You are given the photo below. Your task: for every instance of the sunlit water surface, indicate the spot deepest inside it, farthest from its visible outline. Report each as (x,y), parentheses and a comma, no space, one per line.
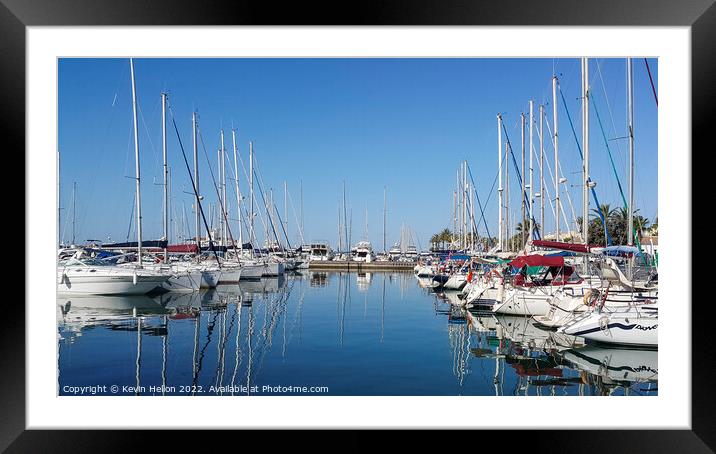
(331,333)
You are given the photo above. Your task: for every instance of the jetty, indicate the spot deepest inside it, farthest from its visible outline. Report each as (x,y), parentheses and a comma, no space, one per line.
(349,265)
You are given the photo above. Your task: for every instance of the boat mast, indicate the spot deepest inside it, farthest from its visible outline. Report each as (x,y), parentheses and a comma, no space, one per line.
(340,229)
(499,188)
(473,227)
(532,193)
(524,200)
(170,208)
(251,186)
(166,174)
(385,213)
(556,155)
(224,215)
(456,231)
(507,198)
(302,231)
(585,145)
(630,112)
(454,215)
(464,204)
(197,197)
(345,223)
(221,218)
(285,208)
(74,202)
(269,215)
(541,166)
(366,221)
(238,191)
(59,200)
(136,160)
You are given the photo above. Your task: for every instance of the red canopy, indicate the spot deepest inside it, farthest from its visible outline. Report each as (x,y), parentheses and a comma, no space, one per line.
(574,247)
(185,248)
(536,260)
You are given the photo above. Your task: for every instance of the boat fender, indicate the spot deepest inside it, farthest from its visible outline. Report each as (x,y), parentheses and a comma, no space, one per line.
(134,278)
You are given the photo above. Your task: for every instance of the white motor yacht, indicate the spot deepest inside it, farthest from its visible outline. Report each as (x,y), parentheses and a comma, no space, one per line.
(363,252)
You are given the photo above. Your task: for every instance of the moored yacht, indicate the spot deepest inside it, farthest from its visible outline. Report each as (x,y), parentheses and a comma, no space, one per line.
(363,252)
(93,277)
(320,251)
(635,325)
(395,253)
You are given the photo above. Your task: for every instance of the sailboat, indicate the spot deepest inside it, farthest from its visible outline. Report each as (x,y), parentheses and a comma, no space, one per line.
(635,325)
(84,275)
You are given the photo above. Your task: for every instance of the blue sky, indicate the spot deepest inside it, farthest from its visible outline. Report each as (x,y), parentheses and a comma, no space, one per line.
(401,123)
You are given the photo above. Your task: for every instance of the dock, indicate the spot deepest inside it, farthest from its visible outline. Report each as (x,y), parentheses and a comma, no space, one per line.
(347,265)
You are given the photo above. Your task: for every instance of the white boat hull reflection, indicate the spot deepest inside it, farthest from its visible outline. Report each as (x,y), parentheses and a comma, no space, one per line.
(616,364)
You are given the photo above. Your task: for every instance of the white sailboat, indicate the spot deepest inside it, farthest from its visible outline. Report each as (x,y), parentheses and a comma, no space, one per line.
(86,276)
(93,277)
(636,325)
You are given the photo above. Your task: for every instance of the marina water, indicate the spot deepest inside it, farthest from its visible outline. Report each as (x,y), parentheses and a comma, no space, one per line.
(330,334)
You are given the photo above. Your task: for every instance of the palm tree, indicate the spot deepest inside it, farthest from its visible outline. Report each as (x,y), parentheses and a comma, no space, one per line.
(518,228)
(435,239)
(605,210)
(655,227)
(445,236)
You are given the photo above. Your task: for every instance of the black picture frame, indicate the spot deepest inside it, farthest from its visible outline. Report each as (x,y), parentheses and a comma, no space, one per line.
(699,15)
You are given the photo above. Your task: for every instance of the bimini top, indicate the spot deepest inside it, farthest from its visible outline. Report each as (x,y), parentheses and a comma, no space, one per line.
(536,260)
(622,251)
(574,247)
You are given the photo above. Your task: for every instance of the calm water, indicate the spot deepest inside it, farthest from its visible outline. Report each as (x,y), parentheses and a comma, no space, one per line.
(342,333)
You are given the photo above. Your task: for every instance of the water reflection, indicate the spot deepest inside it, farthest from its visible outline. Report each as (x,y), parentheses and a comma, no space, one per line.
(318,279)
(528,360)
(357,334)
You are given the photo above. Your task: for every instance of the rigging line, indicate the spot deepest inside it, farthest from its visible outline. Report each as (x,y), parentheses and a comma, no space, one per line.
(263,198)
(653,89)
(245,213)
(131,217)
(519,176)
(489,195)
(98,163)
(146,130)
(551,174)
(474,188)
(295,216)
(193,185)
(626,206)
(216,188)
(589,177)
(611,160)
(257,172)
(239,197)
(620,153)
(253,199)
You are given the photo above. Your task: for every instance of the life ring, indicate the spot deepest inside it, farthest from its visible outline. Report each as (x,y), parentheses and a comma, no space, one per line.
(590,297)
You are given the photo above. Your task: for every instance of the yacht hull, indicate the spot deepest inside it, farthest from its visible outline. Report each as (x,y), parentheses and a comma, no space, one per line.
(108,285)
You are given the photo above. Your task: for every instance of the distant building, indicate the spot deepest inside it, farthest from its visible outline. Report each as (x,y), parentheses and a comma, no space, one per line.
(569,237)
(650,243)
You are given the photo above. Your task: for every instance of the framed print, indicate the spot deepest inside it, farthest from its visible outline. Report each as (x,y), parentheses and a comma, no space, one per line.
(432,217)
